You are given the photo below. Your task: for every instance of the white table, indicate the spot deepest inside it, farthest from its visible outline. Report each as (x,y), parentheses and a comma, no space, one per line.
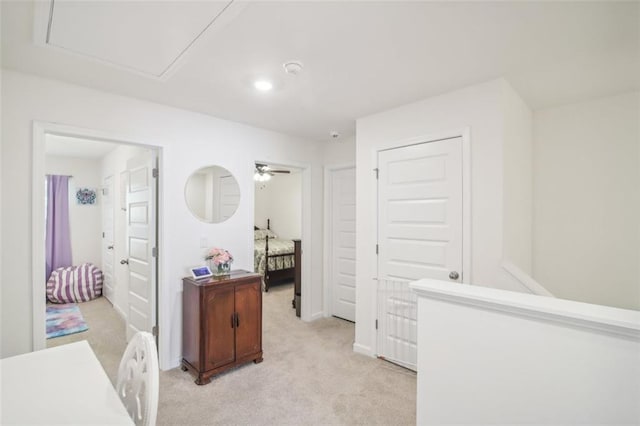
(61,385)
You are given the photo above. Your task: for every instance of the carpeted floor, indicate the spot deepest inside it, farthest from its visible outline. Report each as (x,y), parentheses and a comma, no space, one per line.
(310,375)
(106,334)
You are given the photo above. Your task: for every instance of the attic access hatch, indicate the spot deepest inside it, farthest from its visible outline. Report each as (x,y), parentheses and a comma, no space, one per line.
(148,38)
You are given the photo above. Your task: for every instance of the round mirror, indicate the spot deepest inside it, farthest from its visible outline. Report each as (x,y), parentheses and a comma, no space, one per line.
(212,194)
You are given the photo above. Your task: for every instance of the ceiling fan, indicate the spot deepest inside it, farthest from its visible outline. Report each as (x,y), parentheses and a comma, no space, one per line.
(264,172)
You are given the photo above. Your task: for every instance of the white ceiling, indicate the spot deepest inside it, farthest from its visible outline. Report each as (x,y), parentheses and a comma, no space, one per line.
(360,57)
(154,34)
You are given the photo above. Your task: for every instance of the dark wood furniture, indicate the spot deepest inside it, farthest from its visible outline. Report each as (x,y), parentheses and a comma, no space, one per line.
(221,323)
(272,276)
(297,282)
(285,274)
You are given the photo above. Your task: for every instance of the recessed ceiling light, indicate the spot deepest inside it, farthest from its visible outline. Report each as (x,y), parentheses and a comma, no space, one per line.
(263,85)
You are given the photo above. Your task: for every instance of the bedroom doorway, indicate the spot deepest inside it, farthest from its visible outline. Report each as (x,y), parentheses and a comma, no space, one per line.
(278,227)
(108,233)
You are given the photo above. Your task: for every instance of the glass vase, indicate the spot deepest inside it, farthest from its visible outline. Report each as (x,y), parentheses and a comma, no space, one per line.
(221,269)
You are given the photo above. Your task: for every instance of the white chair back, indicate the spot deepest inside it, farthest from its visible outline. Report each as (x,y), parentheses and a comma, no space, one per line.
(138,382)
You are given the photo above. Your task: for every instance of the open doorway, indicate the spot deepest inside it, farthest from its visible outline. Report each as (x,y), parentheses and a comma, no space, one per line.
(278,229)
(106,289)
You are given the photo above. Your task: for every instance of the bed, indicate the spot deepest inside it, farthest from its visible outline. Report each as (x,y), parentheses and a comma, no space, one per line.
(276,259)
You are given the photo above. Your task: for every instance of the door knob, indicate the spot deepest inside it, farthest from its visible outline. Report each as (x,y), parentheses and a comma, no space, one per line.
(454,275)
(124,262)
(109,247)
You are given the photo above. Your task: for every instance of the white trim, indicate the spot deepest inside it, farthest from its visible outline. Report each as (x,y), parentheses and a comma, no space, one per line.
(317,315)
(373,280)
(177,362)
(614,321)
(465,134)
(328,232)
(307,252)
(524,279)
(40,130)
(38,268)
(466,205)
(363,350)
(120,312)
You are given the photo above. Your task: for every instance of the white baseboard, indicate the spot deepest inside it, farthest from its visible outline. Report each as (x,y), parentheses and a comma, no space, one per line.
(120,312)
(316,316)
(362,349)
(174,364)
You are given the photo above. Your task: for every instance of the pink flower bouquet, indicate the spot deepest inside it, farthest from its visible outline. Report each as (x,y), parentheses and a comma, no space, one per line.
(219,256)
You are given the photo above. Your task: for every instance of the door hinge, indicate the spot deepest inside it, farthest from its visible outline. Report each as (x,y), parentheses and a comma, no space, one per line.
(376,170)
(377,249)
(376,324)
(154,330)
(154,172)
(103,235)
(154,252)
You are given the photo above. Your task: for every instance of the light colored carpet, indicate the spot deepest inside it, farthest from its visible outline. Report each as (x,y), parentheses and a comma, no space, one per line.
(106,334)
(310,375)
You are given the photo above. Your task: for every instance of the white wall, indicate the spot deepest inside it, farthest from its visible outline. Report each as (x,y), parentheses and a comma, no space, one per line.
(280,199)
(586,243)
(114,164)
(340,152)
(517,180)
(477,109)
(1,205)
(513,358)
(188,141)
(85,221)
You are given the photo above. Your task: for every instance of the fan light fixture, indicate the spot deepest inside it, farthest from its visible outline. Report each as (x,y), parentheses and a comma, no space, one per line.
(264,172)
(261,177)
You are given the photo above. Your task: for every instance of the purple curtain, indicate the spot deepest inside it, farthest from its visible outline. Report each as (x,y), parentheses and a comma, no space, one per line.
(58,238)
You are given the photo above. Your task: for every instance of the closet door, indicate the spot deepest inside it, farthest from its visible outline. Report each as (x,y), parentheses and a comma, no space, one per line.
(419,235)
(343,243)
(108,254)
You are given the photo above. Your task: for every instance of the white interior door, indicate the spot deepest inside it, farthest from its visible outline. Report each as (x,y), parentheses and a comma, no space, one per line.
(108,239)
(343,243)
(419,235)
(141,243)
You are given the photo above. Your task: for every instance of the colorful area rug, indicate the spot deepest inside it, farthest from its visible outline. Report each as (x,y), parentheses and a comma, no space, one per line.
(64,319)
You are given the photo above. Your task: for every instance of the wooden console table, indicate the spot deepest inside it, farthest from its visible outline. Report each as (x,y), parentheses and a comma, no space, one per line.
(221,323)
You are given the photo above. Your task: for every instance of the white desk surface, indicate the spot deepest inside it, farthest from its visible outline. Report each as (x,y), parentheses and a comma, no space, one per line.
(61,385)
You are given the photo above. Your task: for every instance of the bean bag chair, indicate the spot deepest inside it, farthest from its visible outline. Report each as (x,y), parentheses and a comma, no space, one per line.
(74,284)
